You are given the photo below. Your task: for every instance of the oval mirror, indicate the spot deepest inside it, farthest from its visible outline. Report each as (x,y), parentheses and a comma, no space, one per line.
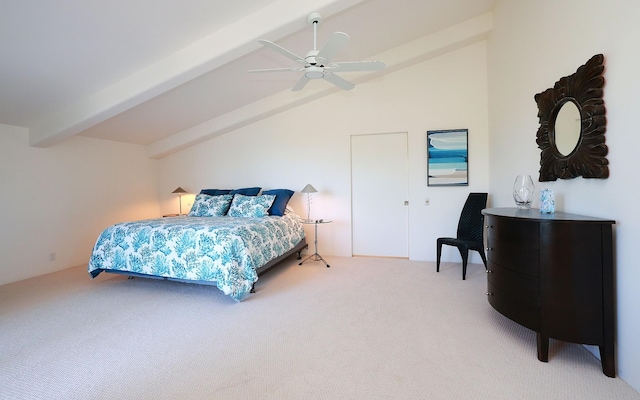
(567,128)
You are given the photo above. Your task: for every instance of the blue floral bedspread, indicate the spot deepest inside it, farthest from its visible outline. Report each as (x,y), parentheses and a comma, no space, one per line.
(224,250)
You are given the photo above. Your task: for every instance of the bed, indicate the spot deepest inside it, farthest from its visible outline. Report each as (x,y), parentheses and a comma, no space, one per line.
(229,250)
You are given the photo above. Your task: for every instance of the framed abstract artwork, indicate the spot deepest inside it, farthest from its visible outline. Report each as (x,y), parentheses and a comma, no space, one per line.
(447,158)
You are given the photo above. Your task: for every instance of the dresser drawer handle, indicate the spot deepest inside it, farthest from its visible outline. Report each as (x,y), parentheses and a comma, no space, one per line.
(489,293)
(488,226)
(489,248)
(489,271)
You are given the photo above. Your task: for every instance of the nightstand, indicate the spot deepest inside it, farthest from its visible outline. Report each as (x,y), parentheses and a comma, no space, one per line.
(315,256)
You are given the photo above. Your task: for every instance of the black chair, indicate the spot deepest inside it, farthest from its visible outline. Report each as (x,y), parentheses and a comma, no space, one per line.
(470,231)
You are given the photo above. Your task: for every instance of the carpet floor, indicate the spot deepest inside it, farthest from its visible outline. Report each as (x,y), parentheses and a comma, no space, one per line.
(366,328)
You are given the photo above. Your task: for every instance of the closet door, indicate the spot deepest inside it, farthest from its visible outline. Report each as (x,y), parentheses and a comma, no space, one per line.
(379,195)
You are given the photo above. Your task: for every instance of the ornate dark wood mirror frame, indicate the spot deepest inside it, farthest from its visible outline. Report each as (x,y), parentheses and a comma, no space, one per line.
(588,158)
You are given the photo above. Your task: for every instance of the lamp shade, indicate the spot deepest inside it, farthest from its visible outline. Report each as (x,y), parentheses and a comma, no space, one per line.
(179,190)
(309,189)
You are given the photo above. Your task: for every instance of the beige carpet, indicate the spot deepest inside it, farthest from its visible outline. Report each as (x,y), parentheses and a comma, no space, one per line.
(362,329)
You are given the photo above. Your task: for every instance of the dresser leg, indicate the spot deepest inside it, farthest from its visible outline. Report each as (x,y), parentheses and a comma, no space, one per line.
(543,347)
(607,357)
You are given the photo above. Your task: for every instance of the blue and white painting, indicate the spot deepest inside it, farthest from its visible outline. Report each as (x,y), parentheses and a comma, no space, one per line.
(447,154)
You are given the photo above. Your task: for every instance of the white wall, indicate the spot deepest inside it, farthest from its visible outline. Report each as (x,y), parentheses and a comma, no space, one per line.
(533,44)
(311,144)
(59,199)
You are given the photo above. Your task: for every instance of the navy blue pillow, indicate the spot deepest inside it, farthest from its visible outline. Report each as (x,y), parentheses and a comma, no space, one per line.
(252,191)
(280,203)
(215,192)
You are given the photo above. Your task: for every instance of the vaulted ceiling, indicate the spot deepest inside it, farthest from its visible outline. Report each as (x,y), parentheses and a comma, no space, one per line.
(168,74)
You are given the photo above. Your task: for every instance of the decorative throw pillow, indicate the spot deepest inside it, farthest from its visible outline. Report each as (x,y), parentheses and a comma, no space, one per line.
(252,191)
(215,192)
(210,206)
(250,206)
(280,203)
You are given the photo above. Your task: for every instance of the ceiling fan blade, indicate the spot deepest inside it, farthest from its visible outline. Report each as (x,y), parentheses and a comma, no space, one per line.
(356,66)
(334,45)
(282,51)
(274,69)
(336,80)
(300,84)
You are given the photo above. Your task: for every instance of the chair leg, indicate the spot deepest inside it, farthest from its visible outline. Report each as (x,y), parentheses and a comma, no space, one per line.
(464,253)
(439,252)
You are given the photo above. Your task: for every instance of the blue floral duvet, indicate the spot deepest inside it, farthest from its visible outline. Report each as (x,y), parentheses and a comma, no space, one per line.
(221,250)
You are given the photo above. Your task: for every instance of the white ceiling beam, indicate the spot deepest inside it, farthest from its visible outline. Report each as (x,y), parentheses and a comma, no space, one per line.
(430,46)
(288,16)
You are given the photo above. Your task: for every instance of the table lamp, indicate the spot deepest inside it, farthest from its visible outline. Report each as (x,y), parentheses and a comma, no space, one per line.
(308,190)
(179,191)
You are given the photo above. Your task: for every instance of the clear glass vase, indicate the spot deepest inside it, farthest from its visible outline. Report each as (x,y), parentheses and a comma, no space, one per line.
(523,191)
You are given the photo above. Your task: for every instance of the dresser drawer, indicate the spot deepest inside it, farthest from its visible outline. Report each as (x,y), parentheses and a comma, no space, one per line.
(508,230)
(516,257)
(521,286)
(522,312)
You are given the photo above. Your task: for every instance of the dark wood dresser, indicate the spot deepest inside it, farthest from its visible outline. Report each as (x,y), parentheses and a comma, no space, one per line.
(553,273)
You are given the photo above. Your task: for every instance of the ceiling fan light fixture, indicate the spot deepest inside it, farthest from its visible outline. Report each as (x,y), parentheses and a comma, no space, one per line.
(314,72)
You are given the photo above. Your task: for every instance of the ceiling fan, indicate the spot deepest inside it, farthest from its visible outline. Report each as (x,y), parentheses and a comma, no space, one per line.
(317,63)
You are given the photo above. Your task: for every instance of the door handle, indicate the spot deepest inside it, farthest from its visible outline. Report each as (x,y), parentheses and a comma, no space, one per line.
(406,202)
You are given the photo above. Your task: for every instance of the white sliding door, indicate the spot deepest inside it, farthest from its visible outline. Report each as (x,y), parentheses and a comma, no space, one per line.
(379,192)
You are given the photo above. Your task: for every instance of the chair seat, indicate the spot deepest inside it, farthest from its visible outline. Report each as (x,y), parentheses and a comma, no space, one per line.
(471,245)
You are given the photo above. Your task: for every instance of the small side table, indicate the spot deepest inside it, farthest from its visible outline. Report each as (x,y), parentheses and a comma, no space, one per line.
(315,256)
